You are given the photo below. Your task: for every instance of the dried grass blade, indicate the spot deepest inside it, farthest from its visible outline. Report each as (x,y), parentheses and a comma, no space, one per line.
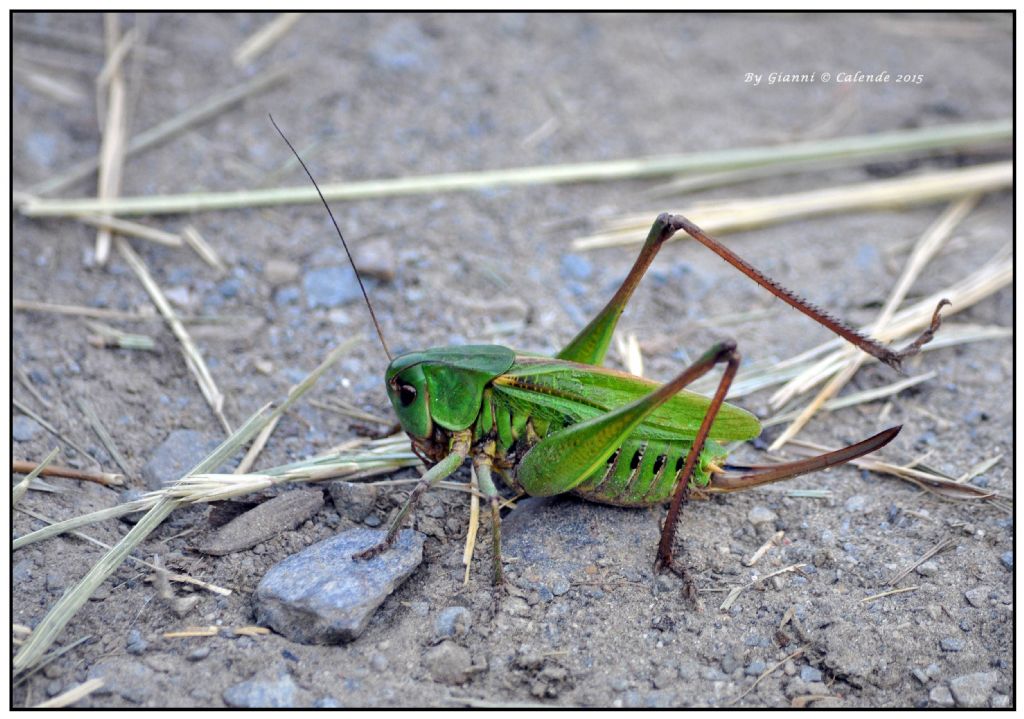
(21,487)
(133,229)
(193,357)
(101,432)
(660,166)
(69,697)
(869,395)
(258,43)
(732,216)
(21,407)
(114,130)
(983,282)
(203,249)
(157,134)
(62,612)
(924,250)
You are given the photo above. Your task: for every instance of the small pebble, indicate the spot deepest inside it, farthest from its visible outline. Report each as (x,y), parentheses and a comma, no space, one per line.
(197,655)
(136,644)
(330,286)
(1007,559)
(576,266)
(257,693)
(761,515)
(24,429)
(754,669)
(940,696)
(973,690)
(280,272)
(559,586)
(810,674)
(978,597)
(453,622)
(928,569)
(448,663)
(999,701)
(856,503)
(952,644)
(378,662)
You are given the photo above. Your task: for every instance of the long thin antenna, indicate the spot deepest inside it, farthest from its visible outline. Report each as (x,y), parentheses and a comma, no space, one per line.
(355,269)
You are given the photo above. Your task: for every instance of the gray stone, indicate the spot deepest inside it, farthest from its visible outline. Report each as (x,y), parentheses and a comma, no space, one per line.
(403,47)
(448,663)
(125,676)
(978,597)
(182,450)
(1007,559)
(576,266)
(973,690)
(282,513)
(330,286)
(952,644)
(666,677)
(287,295)
(375,258)
(754,669)
(761,515)
(857,503)
(810,674)
(280,272)
(999,701)
(453,622)
(928,569)
(378,662)
(136,644)
(262,693)
(132,495)
(323,595)
(940,696)
(559,586)
(352,499)
(24,429)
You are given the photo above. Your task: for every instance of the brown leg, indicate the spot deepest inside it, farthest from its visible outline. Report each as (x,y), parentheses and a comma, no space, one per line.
(724,352)
(873,348)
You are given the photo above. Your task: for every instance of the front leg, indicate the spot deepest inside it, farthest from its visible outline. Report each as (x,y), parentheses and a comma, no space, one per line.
(445,468)
(482,463)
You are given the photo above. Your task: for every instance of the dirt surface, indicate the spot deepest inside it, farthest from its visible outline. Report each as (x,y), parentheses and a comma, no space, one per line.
(584,621)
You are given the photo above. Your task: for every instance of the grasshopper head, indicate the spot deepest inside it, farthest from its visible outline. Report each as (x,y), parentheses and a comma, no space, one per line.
(443,386)
(407,390)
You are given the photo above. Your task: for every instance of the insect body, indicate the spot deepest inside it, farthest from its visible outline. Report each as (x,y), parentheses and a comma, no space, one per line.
(566,424)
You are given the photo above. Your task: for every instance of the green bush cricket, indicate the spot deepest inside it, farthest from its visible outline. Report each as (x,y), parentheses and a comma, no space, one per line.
(548,426)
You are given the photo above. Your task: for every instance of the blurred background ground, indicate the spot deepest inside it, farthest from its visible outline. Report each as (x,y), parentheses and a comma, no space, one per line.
(370,96)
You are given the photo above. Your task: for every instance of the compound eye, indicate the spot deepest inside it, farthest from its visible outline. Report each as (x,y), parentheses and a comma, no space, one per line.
(406,394)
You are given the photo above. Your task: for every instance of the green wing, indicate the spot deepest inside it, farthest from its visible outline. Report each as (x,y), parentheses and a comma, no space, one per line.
(556,388)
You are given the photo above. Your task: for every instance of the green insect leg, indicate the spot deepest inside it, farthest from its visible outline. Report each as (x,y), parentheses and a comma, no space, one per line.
(591,344)
(565,458)
(723,352)
(445,468)
(482,465)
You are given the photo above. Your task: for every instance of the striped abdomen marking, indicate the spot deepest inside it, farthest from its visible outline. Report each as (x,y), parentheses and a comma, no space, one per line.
(648,478)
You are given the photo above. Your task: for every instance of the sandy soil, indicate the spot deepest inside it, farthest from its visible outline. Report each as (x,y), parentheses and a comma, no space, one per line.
(379,96)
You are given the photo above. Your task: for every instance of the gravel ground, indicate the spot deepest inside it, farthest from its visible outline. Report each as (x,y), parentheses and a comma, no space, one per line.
(583,621)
